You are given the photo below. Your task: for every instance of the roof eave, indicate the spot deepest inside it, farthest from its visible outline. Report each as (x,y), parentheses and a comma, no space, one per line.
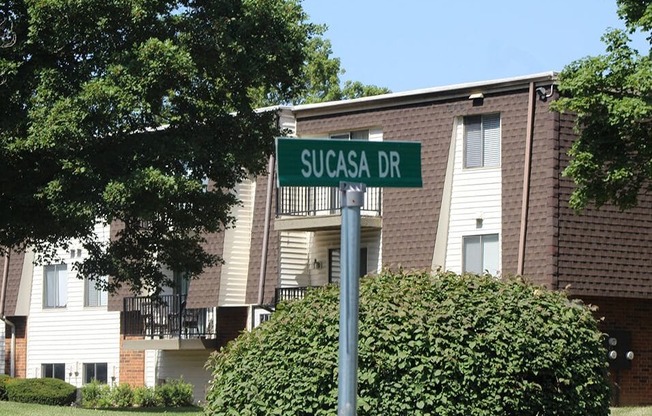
(423,95)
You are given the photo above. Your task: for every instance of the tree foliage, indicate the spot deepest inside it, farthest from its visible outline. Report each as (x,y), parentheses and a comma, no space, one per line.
(611,94)
(322,77)
(438,344)
(120,111)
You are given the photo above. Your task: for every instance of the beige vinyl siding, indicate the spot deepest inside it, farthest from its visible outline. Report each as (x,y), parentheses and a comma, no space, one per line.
(325,240)
(237,246)
(294,259)
(375,134)
(476,194)
(151,367)
(73,335)
(188,365)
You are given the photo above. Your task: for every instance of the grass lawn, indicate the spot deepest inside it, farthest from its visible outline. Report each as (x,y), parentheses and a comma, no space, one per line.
(631,411)
(23,409)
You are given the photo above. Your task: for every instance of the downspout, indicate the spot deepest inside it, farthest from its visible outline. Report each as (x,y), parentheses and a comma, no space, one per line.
(268,214)
(3,292)
(525,201)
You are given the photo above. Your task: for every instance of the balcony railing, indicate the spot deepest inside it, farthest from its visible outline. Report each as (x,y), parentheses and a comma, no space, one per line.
(289,293)
(166,316)
(306,201)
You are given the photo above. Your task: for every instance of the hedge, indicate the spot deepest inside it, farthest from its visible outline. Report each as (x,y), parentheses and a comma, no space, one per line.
(439,344)
(49,391)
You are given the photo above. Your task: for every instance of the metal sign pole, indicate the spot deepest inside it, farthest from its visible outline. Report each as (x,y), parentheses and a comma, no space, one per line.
(351,198)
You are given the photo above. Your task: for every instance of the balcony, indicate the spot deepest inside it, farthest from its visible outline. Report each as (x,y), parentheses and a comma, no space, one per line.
(165,323)
(282,294)
(318,208)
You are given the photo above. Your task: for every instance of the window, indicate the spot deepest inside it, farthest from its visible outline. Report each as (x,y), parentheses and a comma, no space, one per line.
(95,371)
(53,371)
(480,254)
(95,296)
(181,283)
(334,270)
(351,135)
(55,286)
(482,141)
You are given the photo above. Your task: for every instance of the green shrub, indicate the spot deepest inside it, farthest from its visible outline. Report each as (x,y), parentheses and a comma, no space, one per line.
(49,391)
(95,394)
(175,393)
(122,396)
(429,344)
(4,379)
(146,397)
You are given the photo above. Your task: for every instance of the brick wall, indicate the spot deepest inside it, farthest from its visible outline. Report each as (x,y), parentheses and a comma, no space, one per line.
(631,386)
(132,364)
(21,346)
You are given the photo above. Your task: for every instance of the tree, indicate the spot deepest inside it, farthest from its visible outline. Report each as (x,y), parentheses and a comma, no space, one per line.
(116,111)
(322,77)
(611,95)
(7,35)
(143,113)
(439,344)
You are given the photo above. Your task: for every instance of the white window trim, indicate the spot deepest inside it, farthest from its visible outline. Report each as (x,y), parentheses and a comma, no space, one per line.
(482,260)
(483,141)
(102,296)
(60,297)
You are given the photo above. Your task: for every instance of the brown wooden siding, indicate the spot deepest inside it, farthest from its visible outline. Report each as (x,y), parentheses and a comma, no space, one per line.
(13,283)
(603,252)
(116,299)
(204,291)
(600,253)
(539,260)
(410,215)
(258,225)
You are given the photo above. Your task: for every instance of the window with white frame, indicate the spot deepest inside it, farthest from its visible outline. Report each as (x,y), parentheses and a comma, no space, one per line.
(334,267)
(95,371)
(53,370)
(351,135)
(55,286)
(481,254)
(482,141)
(96,296)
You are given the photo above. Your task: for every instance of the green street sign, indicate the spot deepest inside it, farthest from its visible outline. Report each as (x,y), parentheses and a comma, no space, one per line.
(327,162)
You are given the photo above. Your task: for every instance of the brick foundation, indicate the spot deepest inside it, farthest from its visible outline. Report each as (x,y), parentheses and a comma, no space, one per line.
(132,364)
(633,386)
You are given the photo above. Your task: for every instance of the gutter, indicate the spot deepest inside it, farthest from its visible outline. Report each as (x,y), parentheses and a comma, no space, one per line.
(268,213)
(3,294)
(525,201)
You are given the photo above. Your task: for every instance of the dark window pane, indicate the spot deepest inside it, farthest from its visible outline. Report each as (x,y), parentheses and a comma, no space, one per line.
(101,372)
(60,371)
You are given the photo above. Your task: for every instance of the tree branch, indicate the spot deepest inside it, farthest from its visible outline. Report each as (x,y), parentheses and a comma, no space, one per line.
(7,34)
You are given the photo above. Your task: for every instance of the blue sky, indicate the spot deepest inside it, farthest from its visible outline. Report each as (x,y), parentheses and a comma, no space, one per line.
(412,44)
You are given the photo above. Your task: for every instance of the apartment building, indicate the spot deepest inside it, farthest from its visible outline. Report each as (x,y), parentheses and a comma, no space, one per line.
(493,199)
